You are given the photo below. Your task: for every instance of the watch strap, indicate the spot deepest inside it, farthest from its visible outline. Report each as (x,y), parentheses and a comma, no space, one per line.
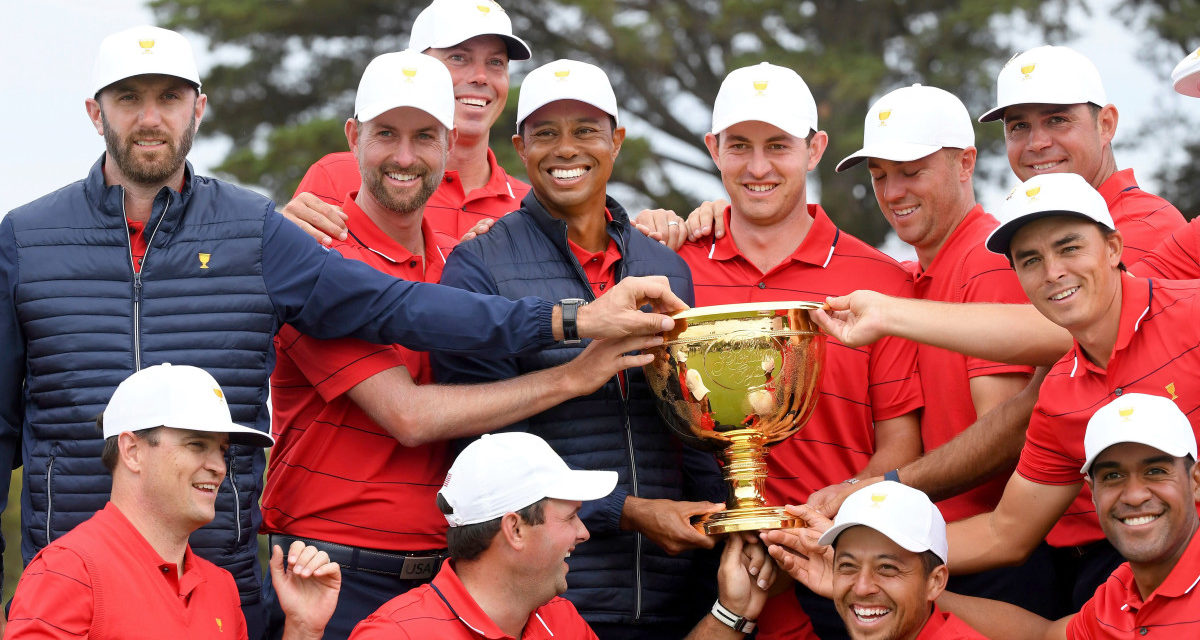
(570,317)
(731,619)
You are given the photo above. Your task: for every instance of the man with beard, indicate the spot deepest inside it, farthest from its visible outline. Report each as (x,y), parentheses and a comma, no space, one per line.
(361,440)
(144,262)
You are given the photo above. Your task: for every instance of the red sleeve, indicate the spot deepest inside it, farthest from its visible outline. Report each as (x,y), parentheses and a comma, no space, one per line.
(1077,628)
(989,278)
(1042,459)
(330,178)
(333,367)
(53,598)
(1176,258)
(895,386)
(379,627)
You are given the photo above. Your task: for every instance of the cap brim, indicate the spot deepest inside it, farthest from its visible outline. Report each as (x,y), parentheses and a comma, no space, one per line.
(994,114)
(1178,452)
(517,49)
(832,533)
(1001,237)
(582,485)
(247,436)
(1189,85)
(894,151)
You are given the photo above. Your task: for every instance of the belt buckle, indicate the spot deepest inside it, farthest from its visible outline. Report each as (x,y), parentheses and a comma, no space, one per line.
(419,568)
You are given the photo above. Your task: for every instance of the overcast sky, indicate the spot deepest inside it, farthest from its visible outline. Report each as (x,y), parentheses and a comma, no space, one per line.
(47,52)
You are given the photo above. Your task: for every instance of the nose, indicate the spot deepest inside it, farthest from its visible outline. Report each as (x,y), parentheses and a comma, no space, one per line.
(567,145)
(1039,138)
(893,189)
(477,72)
(863,584)
(403,153)
(581,532)
(759,165)
(1054,267)
(1136,491)
(151,114)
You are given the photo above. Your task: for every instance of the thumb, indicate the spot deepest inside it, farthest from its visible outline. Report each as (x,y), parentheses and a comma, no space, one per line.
(276,564)
(838,303)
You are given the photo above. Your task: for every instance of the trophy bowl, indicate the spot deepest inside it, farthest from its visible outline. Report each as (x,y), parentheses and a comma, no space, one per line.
(736,379)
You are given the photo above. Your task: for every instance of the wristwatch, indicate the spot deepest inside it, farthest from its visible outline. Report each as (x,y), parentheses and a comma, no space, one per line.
(570,312)
(731,619)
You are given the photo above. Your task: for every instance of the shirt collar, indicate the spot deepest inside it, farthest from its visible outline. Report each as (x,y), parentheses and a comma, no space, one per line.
(137,543)
(370,236)
(816,248)
(497,185)
(455,595)
(1136,296)
(934,624)
(959,235)
(1185,577)
(1116,184)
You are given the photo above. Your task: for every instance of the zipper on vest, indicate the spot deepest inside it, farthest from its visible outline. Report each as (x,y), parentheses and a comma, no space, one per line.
(49,497)
(637,547)
(237,503)
(137,276)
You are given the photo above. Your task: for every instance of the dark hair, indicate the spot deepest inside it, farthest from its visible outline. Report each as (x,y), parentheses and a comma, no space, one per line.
(931,561)
(111,451)
(468,541)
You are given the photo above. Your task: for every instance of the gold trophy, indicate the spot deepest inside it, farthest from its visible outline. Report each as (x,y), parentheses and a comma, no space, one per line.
(736,379)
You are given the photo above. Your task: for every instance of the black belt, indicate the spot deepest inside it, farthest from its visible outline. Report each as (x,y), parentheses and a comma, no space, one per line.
(407,565)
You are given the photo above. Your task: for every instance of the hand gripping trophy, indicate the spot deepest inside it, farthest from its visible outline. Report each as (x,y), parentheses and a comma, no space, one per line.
(737,379)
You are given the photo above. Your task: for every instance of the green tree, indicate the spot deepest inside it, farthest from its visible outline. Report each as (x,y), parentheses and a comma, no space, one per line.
(290,70)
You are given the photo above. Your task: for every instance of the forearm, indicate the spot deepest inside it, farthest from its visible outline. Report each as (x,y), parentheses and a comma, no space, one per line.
(977,544)
(709,628)
(996,619)
(897,442)
(1011,333)
(300,632)
(990,445)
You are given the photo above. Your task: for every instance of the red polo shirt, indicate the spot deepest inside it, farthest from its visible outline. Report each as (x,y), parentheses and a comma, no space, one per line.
(962,271)
(1177,258)
(446,611)
(449,211)
(859,386)
(943,625)
(103,580)
(1157,352)
(1143,219)
(1117,611)
(334,474)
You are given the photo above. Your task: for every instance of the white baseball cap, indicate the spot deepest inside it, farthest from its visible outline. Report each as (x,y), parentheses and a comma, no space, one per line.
(1047,75)
(406,79)
(504,472)
(695,384)
(566,80)
(445,23)
(1154,421)
(911,123)
(142,50)
(766,93)
(903,514)
(1186,75)
(1048,194)
(180,397)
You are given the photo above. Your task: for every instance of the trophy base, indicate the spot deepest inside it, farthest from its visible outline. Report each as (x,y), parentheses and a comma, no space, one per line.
(748,519)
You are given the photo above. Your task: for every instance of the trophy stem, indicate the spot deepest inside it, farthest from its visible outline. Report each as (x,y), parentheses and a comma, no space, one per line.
(746,473)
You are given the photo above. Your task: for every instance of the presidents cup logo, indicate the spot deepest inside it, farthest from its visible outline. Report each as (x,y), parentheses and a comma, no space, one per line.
(877,500)
(760,87)
(1032,194)
(1126,414)
(487,7)
(409,73)
(883,117)
(217,392)
(562,74)
(204,258)
(1027,70)
(146,45)
(1171,390)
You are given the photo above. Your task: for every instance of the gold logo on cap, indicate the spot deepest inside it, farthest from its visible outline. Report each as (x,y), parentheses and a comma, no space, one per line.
(562,75)
(146,45)
(883,116)
(217,391)
(1033,193)
(1171,390)
(204,259)
(409,73)
(759,87)
(877,499)
(1027,69)
(1126,413)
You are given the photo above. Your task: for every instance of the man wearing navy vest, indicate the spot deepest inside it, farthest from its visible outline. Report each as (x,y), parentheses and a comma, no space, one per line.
(144,262)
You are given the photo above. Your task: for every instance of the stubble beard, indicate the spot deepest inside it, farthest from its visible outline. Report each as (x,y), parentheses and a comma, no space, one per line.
(149,172)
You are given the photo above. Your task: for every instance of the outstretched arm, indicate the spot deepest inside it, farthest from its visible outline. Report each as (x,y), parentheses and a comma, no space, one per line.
(996,619)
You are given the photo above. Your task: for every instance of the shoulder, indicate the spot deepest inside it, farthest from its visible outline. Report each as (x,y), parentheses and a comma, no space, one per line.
(226,193)
(868,263)
(411,611)
(43,210)
(336,160)
(563,618)
(642,247)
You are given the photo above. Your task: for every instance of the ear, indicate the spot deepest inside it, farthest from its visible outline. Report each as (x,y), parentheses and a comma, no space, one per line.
(936,583)
(816,149)
(1106,123)
(967,167)
(1116,244)
(1196,481)
(514,530)
(352,135)
(519,144)
(451,140)
(130,448)
(617,138)
(93,111)
(714,147)
(201,104)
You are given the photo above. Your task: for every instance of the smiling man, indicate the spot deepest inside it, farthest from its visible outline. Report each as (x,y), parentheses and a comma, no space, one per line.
(474,39)
(764,140)
(569,240)
(129,569)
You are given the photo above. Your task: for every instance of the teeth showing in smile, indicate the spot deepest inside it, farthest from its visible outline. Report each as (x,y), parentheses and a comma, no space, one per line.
(565,174)
(760,187)
(869,614)
(474,102)
(402,177)
(1133,522)
(205,486)
(147,143)
(1060,296)
(904,212)
(1043,166)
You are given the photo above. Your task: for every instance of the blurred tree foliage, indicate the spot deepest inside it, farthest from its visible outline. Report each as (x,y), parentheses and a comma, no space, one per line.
(288,71)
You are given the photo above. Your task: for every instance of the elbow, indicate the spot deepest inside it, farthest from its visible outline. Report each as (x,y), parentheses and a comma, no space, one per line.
(409,430)
(1015,554)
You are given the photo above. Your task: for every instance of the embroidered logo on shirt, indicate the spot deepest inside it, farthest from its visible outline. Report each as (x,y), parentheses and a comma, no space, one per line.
(1171,390)
(204,259)
(220,627)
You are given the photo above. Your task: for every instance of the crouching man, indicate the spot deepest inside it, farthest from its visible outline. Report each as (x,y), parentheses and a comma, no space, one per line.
(128,572)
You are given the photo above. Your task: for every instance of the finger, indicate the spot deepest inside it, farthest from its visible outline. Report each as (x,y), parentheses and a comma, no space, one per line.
(303,558)
(766,573)
(328,569)
(467,236)
(634,361)
(294,551)
(838,303)
(312,563)
(719,217)
(276,563)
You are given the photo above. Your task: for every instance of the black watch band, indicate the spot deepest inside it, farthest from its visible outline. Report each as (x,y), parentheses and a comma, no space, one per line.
(893,475)
(731,619)
(570,315)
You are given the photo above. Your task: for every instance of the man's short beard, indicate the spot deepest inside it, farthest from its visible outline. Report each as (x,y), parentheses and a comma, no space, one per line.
(377,189)
(148,173)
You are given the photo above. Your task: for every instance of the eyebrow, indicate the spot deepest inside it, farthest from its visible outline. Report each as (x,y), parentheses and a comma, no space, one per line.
(778,138)
(1065,240)
(583,120)
(1159,459)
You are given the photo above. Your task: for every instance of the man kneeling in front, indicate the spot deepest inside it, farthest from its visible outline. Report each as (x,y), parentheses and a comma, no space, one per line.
(128,572)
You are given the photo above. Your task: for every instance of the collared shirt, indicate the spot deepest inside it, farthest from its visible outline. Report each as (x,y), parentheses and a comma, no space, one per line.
(859,386)
(450,211)
(1177,258)
(1157,352)
(104,580)
(361,487)
(446,611)
(1143,219)
(599,267)
(1117,611)
(962,271)
(943,625)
